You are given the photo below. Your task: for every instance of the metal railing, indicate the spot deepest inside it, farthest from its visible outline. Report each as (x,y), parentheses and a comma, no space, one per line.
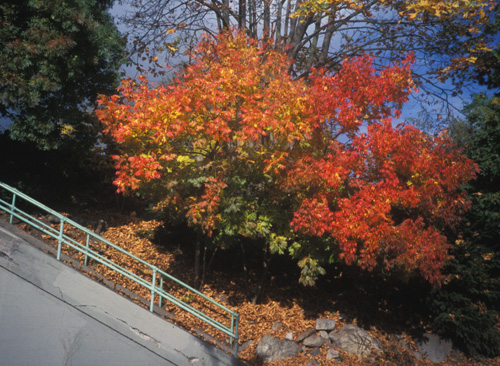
(155,285)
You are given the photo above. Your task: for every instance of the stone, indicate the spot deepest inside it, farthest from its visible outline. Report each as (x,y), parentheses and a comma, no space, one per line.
(314,341)
(324,334)
(289,336)
(325,324)
(313,363)
(315,352)
(433,348)
(305,334)
(245,345)
(355,340)
(273,349)
(333,354)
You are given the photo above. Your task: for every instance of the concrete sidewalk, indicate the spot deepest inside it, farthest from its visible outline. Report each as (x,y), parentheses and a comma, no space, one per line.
(51,314)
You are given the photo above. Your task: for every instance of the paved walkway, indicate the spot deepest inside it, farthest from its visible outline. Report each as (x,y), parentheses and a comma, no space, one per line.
(51,314)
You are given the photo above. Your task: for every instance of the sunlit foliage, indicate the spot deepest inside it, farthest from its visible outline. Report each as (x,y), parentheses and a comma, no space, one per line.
(314,167)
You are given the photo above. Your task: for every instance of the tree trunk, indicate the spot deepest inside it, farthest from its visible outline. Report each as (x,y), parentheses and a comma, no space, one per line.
(263,281)
(267,19)
(225,14)
(287,19)
(293,22)
(242,14)
(314,44)
(323,57)
(297,36)
(252,18)
(207,266)
(204,266)
(197,259)
(245,269)
(278,21)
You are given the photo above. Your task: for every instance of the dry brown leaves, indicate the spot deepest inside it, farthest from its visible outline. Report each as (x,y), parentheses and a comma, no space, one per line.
(255,320)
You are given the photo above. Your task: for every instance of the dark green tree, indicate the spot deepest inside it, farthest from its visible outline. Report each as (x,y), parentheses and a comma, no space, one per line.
(56,56)
(466,308)
(488,66)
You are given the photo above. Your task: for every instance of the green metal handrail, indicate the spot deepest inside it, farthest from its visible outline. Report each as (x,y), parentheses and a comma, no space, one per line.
(62,238)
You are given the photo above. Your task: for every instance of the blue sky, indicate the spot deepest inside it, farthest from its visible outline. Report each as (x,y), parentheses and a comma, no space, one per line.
(411,110)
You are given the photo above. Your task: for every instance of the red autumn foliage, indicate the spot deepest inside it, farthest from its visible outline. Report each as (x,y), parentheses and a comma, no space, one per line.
(322,153)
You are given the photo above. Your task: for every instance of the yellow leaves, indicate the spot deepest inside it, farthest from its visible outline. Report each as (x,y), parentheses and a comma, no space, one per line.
(67,130)
(464,9)
(412,16)
(310,7)
(460,63)
(413,9)
(172,48)
(471,59)
(184,160)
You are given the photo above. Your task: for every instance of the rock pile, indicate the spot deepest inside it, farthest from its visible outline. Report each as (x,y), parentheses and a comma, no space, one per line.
(350,338)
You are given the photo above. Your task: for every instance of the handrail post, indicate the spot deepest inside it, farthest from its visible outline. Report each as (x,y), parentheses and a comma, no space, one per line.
(232,328)
(161,288)
(153,290)
(237,323)
(85,262)
(60,240)
(12,207)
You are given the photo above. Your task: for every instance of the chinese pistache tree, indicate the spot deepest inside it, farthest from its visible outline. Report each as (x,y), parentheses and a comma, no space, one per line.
(310,167)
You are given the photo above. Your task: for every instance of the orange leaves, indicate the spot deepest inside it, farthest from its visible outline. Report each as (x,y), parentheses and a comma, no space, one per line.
(403,186)
(414,245)
(204,211)
(357,93)
(313,210)
(235,145)
(132,170)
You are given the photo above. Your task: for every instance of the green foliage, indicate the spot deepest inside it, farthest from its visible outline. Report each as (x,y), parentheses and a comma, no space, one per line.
(484,117)
(466,308)
(55,58)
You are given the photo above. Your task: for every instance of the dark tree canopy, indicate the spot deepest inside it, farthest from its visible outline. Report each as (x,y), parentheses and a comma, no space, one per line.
(488,65)
(466,308)
(55,58)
